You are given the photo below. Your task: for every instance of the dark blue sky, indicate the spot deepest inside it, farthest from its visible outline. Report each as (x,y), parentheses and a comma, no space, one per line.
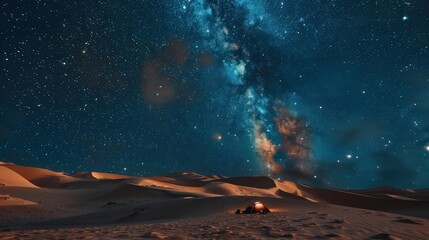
(333,93)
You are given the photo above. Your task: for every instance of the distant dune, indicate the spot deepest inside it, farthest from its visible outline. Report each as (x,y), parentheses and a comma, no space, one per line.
(189,205)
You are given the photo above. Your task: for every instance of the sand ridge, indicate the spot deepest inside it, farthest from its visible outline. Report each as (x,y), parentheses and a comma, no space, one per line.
(156,207)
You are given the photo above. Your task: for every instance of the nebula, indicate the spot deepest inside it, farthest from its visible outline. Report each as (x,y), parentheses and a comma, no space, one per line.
(266,150)
(163,75)
(296,140)
(255,118)
(281,139)
(156,87)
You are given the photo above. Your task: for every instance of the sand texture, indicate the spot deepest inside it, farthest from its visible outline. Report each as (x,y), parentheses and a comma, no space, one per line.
(42,204)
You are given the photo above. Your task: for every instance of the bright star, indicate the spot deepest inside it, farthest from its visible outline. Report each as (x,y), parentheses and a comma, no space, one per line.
(405,18)
(427,148)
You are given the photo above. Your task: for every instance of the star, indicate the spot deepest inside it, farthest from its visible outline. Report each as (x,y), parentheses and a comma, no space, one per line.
(171,96)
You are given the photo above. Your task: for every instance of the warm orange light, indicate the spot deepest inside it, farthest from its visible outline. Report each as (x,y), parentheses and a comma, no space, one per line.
(259,206)
(219,137)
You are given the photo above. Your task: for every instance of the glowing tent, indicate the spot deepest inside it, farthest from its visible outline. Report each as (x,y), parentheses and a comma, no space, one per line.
(256,207)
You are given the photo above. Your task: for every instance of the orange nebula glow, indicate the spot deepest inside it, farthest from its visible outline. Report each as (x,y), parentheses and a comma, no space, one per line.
(266,150)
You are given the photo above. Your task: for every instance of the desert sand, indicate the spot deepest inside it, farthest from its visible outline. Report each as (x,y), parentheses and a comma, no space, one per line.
(38,203)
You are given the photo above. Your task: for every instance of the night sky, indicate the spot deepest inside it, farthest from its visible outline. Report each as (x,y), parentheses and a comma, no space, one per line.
(332,93)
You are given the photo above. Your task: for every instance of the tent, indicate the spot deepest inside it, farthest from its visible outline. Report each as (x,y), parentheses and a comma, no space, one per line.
(256,207)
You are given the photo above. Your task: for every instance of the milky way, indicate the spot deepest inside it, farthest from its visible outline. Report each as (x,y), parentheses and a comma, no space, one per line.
(259,110)
(331,93)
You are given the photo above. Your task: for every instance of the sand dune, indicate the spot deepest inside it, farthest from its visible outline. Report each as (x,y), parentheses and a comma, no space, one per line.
(32,198)
(41,177)
(6,200)
(379,202)
(11,178)
(100,175)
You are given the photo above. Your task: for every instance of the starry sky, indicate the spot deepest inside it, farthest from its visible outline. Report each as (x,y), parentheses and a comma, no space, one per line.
(327,92)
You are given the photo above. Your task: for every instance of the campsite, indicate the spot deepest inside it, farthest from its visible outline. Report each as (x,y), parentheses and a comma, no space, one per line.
(39,202)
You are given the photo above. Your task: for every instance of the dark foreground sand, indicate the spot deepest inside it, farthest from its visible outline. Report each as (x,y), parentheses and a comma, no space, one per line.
(41,204)
(327,223)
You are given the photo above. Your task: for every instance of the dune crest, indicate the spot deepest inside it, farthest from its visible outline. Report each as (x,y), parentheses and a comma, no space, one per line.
(10,178)
(46,198)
